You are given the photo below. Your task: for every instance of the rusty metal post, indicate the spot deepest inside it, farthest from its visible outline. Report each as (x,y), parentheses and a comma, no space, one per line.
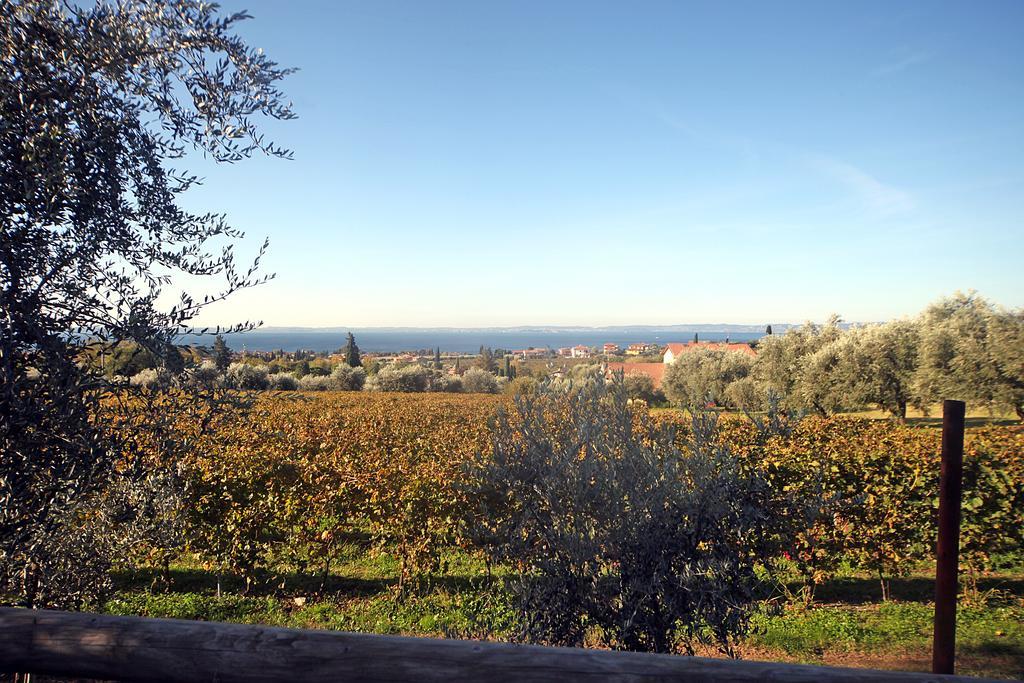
(947,553)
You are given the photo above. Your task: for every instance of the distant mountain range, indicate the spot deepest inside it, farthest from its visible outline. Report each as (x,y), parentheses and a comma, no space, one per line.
(547,329)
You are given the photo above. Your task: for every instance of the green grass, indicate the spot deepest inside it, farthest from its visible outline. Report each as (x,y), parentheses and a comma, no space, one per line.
(849,625)
(990,640)
(890,626)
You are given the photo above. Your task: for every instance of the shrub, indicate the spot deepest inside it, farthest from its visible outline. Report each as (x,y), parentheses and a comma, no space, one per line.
(282,381)
(247,377)
(477,381)
(522,385)
(151,378)
(348,378)
(408,378)
(451,384)
(612,526)
(640,386)
(206,374)
(315,383)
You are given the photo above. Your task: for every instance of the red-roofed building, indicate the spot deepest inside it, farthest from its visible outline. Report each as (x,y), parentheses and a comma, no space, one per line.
(641,349)
(674,350)
(610,349)
(656,371)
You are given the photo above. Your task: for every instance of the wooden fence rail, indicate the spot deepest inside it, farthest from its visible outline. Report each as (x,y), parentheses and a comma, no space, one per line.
(139,649)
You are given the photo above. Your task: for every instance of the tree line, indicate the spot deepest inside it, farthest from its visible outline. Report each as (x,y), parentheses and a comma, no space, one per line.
(963,347)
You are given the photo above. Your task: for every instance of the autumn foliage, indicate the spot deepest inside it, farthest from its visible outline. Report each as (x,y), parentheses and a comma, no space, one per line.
(287,481)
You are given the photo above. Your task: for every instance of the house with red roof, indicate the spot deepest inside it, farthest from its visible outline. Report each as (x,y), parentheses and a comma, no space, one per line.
(656,371)
(641,348)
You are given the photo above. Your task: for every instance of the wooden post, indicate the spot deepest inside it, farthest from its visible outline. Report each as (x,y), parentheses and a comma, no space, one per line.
(947,552)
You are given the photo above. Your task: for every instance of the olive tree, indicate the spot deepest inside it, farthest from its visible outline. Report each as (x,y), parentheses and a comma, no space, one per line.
(782,359)
(479,381)
(880,365)
(704,375)
(854,369)
(247,377)
(614,530)
(97,104)
(640,387)
(348,378)
(971,350)
(411,378)
(825,377)
(1006,331)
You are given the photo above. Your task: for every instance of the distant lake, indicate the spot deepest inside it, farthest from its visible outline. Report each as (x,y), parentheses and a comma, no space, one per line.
(462,341)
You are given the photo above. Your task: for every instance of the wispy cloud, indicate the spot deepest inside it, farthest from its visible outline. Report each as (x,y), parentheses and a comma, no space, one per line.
(902,64)
(740,146)
(870,191)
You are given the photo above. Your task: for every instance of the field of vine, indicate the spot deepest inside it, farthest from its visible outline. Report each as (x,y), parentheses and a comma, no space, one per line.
(347,509)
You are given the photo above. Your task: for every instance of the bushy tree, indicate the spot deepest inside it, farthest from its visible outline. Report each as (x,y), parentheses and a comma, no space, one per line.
(206,374)
(348,378)
(282,381)
(127,359)
(478,381)
(971,350)
(748,395)
(316,383)
(879,366)
(411,378)
(524,384)
(640,386)
(613,527)
(825,378)
(96,103)
(1006,331)
(486,361)
(151,378)
(780,363)
(247,377)
(703,375)
(441,382)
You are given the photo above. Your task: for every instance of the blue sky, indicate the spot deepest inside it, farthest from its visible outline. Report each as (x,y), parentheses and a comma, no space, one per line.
(484,163)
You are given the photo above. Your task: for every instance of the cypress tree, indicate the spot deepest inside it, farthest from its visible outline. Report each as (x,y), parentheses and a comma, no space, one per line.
(508,367)
(352,352)
(221,353)
(696,339)
(768,330)
(437,358)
